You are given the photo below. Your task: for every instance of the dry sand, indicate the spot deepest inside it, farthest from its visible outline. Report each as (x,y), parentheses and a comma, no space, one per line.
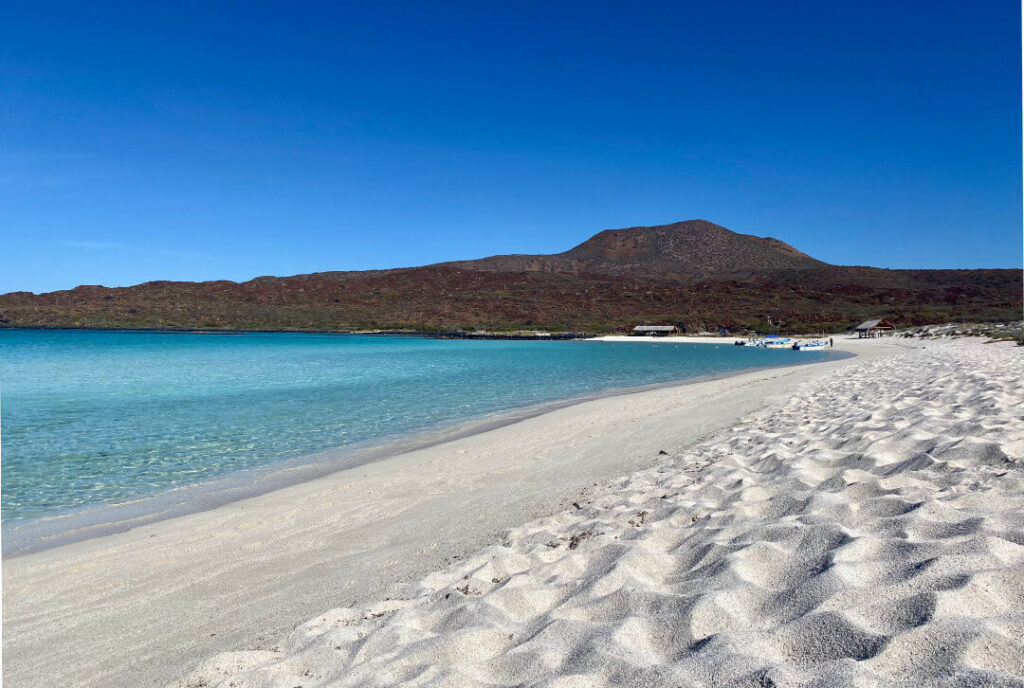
(865,526)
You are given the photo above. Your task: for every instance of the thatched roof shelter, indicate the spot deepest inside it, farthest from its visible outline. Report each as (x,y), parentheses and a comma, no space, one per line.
(874,328)
(655,330)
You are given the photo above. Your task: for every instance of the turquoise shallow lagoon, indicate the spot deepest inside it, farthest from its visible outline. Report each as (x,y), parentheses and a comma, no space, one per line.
(91,418)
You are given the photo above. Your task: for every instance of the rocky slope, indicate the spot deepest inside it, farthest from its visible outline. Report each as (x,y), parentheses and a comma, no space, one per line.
(683,250)
(695,273)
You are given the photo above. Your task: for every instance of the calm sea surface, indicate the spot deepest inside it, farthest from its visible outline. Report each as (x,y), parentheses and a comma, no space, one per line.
(89,418)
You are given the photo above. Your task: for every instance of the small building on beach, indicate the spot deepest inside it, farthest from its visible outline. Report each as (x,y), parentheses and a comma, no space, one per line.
(874,328)
(655,330)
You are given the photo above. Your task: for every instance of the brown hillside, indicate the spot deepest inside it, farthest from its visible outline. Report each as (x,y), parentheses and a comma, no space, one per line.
(682,250)
(694,273)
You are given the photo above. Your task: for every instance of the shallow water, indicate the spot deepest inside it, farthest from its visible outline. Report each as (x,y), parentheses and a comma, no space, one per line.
(93,418)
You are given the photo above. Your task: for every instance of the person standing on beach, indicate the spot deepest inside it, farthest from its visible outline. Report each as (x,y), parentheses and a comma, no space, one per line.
(830,342)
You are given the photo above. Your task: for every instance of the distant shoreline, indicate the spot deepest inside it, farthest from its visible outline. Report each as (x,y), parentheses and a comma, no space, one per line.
(429,334)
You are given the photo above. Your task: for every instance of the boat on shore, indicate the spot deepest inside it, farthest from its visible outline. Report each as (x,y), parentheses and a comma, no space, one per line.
(816,345)
(769,342)
(776,342)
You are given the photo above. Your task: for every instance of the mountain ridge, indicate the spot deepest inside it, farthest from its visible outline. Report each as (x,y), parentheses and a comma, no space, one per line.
(688,249)
(696,273)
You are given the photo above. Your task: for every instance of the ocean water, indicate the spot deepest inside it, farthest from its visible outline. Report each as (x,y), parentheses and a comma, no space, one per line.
(90,418)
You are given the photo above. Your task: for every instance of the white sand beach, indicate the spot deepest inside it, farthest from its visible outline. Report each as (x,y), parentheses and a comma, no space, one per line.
(724,340)
(855,522)
(671,339)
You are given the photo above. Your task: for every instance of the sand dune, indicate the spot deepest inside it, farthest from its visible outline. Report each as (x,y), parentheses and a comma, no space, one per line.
(869,531)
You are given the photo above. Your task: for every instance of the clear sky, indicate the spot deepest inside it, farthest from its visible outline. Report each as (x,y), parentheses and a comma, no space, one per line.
(198,140)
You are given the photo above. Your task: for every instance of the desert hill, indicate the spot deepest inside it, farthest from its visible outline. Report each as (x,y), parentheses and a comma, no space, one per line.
(682,250)
(696,273)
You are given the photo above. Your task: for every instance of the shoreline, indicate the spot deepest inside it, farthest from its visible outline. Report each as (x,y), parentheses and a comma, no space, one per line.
(721,340)
(863,529)
(149,603)
(22,537)
(526,335)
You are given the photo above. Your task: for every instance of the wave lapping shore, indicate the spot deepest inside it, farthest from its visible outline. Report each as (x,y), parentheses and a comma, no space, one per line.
(869,531)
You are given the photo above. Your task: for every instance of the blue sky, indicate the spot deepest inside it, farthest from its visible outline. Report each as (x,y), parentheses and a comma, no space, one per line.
(206,140)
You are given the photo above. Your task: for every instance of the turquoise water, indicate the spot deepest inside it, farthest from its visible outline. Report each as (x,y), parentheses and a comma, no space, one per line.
(93,418)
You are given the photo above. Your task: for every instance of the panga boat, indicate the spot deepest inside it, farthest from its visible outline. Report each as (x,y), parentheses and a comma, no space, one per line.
(817,345)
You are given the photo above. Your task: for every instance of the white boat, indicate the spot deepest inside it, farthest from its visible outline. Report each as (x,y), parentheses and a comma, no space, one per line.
(772,343)
(817,345)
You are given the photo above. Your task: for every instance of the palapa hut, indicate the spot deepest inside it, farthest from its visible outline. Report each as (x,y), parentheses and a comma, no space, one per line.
(874,328)
(655,330)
